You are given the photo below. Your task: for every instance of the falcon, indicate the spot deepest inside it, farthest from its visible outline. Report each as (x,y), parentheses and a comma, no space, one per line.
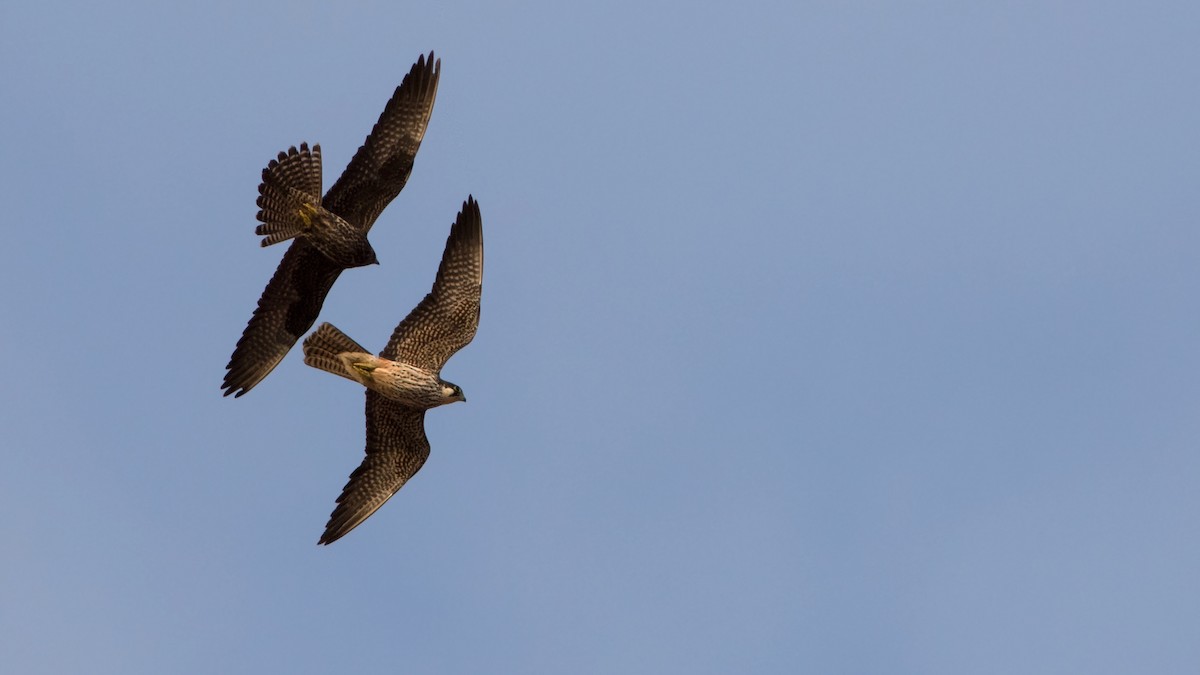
(405,379)
(292,299)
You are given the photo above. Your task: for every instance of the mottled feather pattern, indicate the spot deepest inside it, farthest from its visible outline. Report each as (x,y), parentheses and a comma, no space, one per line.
(288,183)
(299,168)
(321,350)
(286,213)
(381,167)
(445,321)
(287,309)
(292,300)
(290,206)
(396,449)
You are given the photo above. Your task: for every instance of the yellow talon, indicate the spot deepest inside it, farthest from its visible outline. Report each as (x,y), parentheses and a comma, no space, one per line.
(306,212)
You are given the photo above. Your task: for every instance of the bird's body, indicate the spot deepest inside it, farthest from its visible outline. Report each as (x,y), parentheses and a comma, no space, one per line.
(377,173)
(417,388)
(413,386)
(404,380)
(289,201)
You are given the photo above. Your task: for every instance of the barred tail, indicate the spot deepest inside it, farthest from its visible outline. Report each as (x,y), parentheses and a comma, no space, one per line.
(286,213)
(290,194)
(323,347)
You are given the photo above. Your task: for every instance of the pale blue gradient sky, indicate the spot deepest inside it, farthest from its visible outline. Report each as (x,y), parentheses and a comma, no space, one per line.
(816,337)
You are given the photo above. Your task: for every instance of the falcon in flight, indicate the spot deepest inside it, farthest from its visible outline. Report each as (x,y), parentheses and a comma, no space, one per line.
(405,379)
(328,234)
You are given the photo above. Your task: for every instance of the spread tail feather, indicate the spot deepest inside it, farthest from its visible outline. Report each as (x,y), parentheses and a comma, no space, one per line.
(286,213)
(290,194)
(323,348)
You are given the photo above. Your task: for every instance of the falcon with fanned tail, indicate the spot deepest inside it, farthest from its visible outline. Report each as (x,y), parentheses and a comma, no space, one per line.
(329,235)
(405,379)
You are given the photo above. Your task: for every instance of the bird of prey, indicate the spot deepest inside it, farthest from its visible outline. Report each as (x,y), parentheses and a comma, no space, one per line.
(292,299)
(289,203)
(405,379)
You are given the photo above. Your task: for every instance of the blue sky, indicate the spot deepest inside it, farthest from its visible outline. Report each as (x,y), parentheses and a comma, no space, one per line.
(816,337)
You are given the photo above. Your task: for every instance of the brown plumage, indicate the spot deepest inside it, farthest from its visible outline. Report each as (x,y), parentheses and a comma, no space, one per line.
(289,203)
(292,299)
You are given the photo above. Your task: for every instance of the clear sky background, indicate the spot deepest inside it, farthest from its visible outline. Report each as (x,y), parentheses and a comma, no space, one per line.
(836,337)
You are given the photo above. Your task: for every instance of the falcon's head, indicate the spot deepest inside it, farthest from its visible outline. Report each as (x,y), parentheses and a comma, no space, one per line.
(451,392)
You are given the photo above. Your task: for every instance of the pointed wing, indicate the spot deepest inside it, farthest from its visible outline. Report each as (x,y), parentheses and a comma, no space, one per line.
(287,309)
(445,321)
(382,165)
(396,450)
